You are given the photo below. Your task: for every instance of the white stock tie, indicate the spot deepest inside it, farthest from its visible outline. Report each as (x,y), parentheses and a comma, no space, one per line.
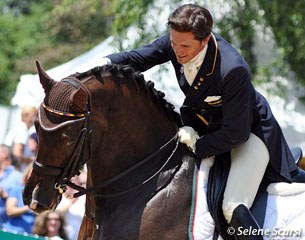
(190,72)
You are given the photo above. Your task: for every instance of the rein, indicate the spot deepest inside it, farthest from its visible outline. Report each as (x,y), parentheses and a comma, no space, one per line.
(91,190)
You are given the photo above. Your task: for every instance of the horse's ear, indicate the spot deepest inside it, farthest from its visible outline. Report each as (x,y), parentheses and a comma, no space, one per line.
(46,81)
(79,99)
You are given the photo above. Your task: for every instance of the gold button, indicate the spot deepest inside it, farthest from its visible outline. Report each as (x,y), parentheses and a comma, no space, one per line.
(201,79)
(196,88)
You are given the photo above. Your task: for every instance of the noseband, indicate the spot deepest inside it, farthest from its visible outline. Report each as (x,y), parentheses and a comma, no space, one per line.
(65,173)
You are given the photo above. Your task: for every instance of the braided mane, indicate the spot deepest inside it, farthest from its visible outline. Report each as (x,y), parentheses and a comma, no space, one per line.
(126,74)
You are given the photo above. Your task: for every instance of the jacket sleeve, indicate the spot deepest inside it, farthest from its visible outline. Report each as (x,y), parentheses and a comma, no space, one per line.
(146,57)
(237,95)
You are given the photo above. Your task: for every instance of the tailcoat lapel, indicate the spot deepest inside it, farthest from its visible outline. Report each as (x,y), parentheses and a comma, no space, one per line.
(183,82)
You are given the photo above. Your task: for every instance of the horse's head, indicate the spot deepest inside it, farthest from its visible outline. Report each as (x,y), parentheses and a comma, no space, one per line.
(128,120)
(62,133)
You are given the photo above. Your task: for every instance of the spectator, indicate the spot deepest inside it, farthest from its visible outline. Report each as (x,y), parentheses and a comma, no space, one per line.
(33,144)
(17,137)
(9,178)
(51,225)
(74,208)
(20,217)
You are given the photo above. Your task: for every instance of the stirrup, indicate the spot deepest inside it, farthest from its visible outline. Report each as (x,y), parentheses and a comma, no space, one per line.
(245,225)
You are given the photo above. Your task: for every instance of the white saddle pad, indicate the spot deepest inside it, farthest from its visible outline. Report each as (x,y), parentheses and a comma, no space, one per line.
(284,220)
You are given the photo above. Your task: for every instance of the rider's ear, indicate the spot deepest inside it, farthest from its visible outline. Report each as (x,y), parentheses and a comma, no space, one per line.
(46,81)
(79,99)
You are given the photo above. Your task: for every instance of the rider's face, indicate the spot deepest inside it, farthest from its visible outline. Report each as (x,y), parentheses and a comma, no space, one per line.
(185,46)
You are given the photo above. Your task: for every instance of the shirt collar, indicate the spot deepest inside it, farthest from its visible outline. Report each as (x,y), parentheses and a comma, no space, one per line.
(198,59)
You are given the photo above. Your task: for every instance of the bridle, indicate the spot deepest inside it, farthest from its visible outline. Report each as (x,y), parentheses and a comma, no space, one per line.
(75,163)
(65,173)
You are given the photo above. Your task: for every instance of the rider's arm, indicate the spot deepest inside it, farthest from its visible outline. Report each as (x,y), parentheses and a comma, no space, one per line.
(146,57)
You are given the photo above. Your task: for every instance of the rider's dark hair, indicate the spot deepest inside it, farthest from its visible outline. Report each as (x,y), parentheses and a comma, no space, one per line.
(192,18)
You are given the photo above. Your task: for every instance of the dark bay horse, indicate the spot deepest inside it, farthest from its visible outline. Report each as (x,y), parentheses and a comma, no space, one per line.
(139,176)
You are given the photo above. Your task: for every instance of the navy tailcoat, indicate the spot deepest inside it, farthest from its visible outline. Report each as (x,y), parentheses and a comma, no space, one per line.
(222,104)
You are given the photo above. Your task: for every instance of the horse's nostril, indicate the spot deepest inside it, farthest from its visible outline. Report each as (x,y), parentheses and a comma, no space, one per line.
(33,205)
(36,207)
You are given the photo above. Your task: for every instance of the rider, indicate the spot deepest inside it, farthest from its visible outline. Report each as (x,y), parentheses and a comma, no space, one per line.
(222,105)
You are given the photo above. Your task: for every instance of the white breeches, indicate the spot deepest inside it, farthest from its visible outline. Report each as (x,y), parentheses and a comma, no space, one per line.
(248,165)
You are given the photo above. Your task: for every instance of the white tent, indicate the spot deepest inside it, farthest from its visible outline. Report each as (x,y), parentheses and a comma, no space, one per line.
(290,112)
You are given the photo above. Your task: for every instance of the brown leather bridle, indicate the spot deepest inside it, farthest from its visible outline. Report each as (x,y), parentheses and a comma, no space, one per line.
(76,160)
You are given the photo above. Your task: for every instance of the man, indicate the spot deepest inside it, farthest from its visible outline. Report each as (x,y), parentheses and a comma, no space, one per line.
(222,105)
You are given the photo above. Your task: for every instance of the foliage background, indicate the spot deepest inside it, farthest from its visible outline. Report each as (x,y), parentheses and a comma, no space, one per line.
(55,31)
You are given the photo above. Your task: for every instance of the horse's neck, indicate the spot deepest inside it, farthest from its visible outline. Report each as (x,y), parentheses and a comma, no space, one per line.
(138,126)
(121,154)
(125,130)
(122,145)
(121,148)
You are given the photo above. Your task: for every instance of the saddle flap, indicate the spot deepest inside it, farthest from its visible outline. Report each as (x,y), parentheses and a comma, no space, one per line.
(217,180)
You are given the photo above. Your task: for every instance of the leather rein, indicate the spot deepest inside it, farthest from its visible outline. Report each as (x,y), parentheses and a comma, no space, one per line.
(65,174)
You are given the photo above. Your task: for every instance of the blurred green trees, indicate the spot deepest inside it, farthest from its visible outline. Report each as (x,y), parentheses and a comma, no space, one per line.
(287,20)
(52,31)
(55,31)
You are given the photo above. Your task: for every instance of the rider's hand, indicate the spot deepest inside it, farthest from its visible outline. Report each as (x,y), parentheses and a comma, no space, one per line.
(105,61)
(189,137)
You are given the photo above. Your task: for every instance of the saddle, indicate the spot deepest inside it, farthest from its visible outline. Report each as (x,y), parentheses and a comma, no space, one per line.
(217,180)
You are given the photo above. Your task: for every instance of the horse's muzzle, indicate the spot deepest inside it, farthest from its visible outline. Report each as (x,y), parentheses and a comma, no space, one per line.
(40,204)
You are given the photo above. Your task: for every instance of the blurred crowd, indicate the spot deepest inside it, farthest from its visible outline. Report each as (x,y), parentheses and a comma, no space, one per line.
(17,153)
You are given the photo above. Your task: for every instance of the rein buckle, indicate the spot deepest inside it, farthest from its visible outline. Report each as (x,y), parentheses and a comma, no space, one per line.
(60,188)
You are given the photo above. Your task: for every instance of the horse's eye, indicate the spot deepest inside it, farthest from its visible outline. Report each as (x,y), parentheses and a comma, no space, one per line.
(69,141)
